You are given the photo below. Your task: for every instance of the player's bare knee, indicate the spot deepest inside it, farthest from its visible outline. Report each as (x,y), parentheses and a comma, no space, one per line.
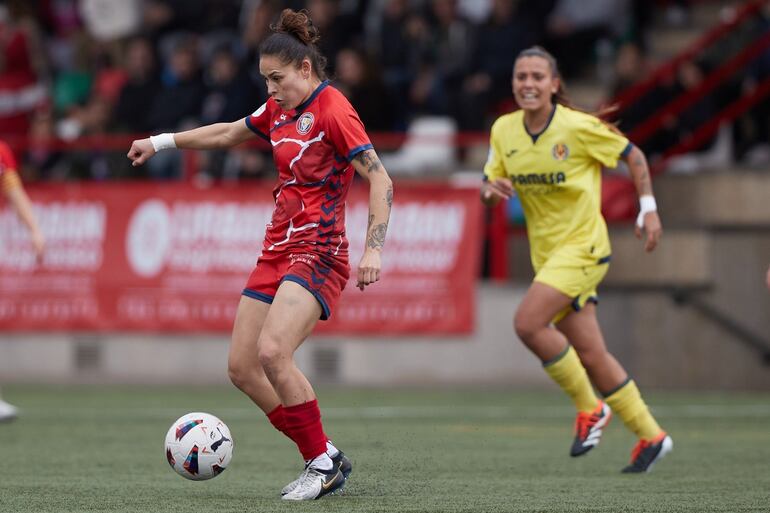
(238,373)
(525,328)
(272,355)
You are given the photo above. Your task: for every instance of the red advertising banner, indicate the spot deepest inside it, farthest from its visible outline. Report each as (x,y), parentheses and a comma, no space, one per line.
(175,258)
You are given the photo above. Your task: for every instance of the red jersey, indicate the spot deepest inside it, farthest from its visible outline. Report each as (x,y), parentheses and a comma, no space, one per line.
(7,160)
(313,146)
(8,177)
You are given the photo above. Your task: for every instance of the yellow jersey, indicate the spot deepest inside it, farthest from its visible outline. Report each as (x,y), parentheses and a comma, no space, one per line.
(557,177)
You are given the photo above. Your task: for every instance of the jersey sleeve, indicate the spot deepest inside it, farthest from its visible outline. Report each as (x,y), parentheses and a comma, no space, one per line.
(601,142)
(259,122)
(346,131)
(9,179)
(494,167)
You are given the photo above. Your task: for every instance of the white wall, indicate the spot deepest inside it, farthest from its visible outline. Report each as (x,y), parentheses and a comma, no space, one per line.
(492,356)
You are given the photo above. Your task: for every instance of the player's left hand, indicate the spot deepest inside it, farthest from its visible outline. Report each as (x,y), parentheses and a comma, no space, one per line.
(653,230)
(368,268)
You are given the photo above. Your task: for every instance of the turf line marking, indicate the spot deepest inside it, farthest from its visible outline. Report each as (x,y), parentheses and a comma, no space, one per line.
(691,411)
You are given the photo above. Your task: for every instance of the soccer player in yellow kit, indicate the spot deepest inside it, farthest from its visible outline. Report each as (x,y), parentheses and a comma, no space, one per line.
(551,156)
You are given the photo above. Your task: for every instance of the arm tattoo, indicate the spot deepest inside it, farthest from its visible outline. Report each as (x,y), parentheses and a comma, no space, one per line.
(376,238)
(642,177)
(370,161)
(389,196)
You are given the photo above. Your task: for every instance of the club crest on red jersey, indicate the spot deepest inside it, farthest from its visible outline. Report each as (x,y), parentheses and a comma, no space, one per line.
(560,151)
(305,123)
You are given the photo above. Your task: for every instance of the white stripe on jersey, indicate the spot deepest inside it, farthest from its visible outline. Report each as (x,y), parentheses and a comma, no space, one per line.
(303,144)
(290,231)
(260,110)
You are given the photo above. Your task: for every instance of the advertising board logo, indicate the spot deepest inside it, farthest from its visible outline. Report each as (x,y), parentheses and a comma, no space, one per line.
(148,238)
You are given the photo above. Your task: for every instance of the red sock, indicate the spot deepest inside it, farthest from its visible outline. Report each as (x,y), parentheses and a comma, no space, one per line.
(278,420)
(303,422)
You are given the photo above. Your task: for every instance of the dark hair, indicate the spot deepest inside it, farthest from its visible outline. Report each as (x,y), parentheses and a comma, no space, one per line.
(560,96)
(293,40)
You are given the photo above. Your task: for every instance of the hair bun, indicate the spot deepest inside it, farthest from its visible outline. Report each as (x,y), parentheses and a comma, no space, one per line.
(297,24)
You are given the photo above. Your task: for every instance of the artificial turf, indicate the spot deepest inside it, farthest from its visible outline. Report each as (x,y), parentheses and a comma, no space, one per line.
(89,449)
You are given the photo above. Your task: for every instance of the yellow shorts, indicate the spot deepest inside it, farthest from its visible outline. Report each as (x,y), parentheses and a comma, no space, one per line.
(576,281)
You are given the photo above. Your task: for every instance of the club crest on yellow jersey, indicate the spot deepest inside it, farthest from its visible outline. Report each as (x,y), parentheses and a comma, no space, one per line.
(560,151)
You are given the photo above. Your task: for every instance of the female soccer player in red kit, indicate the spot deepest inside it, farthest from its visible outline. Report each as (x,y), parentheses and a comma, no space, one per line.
(14,192)
(318,141)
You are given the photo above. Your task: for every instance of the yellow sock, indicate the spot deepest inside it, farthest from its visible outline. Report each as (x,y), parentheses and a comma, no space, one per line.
(627,403)
(567,371)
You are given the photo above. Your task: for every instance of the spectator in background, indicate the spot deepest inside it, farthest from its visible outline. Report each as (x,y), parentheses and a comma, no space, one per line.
(72,86)
(752,129)
(108,20)
(84,98)
(438,84)
(359,82)
(255,20)
(338,29)
(633,66)
(690,75)
(177,104)
(138,93)
(21,59)
(575,26)
(40,161)
(182,90)
(61,22)
(497,39)
(229,94)
(399,41)
(163,18)
(15,195)
(534,14)
(475,11)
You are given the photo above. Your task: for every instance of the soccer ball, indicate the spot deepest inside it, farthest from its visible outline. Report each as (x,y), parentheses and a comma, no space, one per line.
(199,446)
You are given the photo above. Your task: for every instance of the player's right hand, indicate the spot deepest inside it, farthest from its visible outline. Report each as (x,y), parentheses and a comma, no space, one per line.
(141,150)
(497,189)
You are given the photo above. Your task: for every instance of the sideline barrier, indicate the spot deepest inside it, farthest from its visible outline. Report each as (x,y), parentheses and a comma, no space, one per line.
(174,258)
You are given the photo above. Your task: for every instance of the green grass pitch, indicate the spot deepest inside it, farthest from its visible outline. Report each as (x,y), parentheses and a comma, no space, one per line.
(100,449)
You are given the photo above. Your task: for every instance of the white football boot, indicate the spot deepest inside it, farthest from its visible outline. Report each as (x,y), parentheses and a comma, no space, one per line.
(314,483)
(8,412)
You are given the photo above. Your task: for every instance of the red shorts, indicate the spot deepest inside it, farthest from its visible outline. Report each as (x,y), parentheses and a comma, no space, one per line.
(323,276)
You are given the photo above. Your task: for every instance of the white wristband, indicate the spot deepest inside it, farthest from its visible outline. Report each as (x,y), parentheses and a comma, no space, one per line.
(646,204)
(162,141)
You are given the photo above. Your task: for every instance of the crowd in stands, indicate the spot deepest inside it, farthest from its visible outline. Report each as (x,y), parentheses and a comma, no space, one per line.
(70,68)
